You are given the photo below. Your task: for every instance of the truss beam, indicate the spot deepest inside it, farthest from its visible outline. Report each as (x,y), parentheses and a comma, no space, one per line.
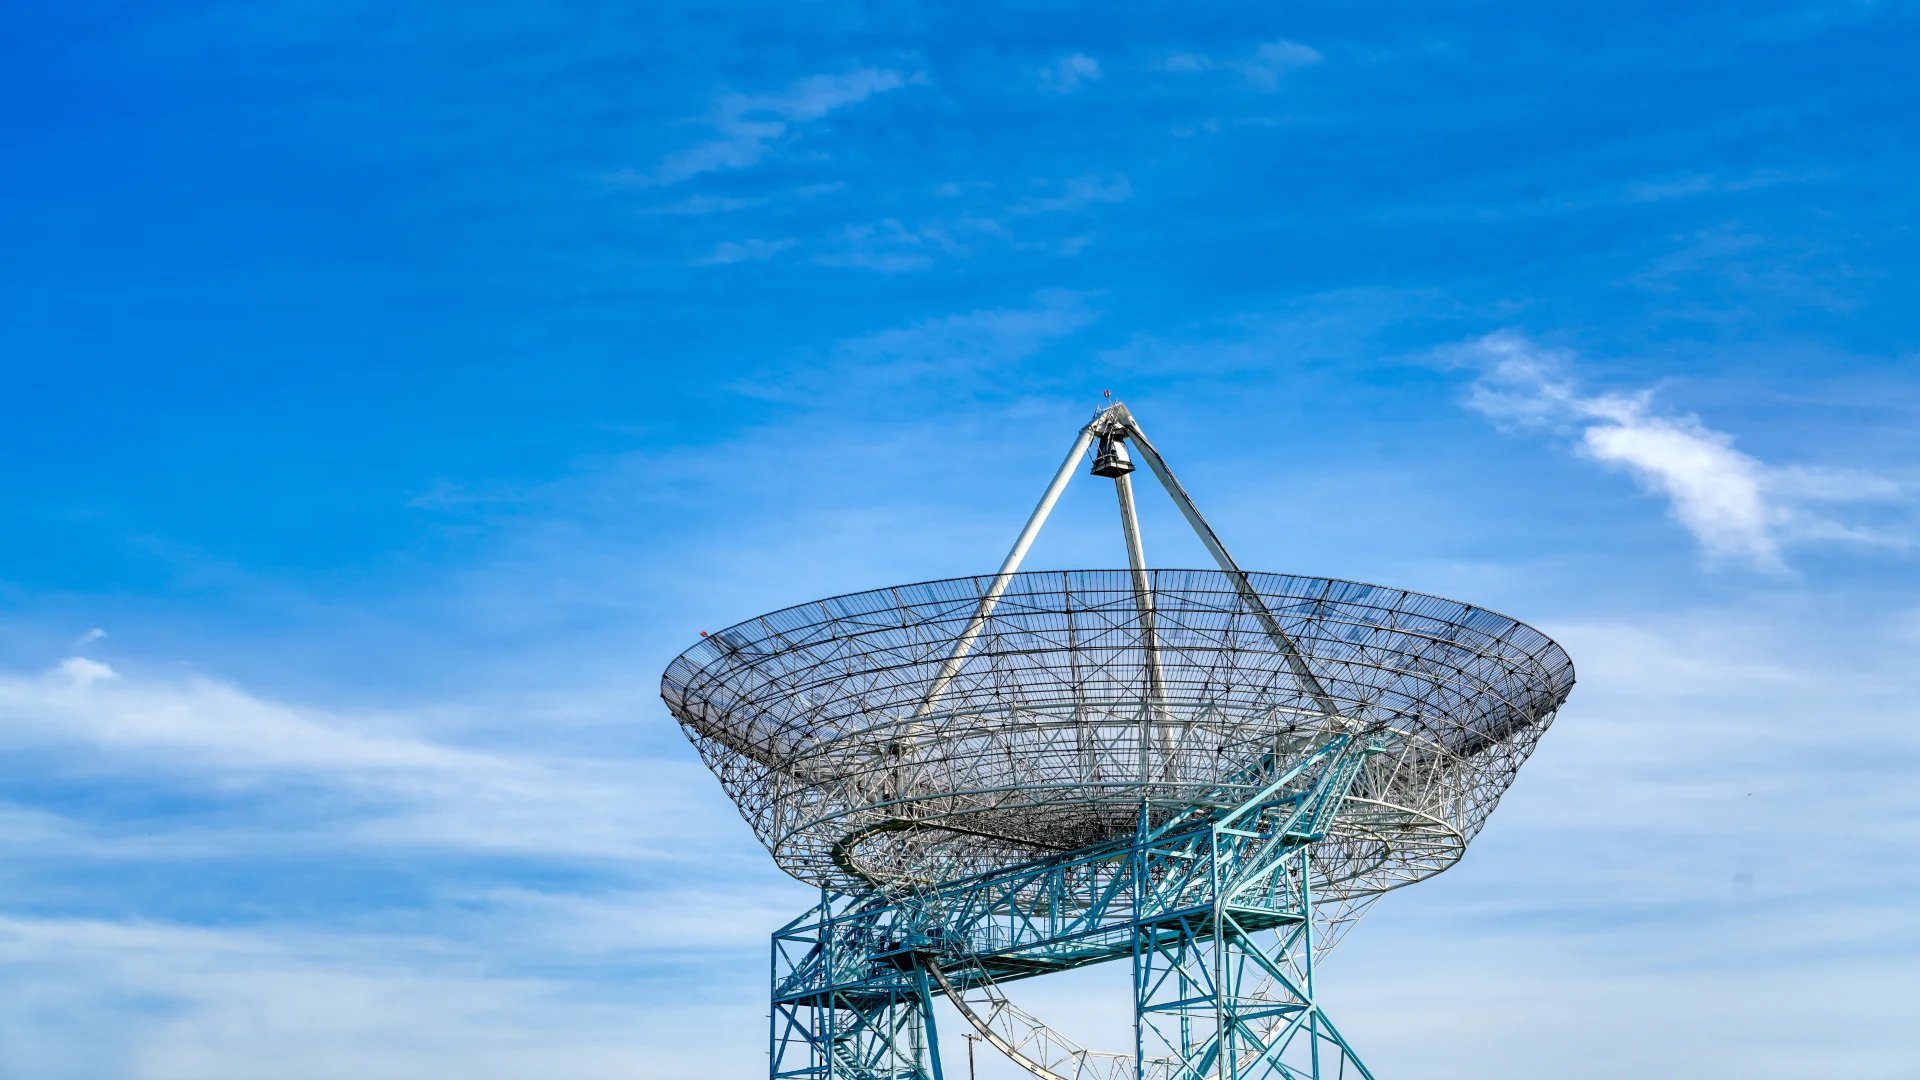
(1216,918)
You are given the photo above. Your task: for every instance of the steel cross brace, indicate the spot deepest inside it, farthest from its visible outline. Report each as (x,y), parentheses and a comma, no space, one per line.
(1216,915)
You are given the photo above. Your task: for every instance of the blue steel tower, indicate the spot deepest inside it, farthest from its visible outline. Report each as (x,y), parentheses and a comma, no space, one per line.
(1204,775)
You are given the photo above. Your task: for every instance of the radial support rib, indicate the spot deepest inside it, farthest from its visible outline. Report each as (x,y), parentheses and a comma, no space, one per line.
(1007,569)
(1249,596)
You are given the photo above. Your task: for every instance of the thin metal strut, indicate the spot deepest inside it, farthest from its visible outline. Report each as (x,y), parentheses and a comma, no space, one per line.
(1249,596)
(985,1028)
(1143,602)
(1115,420)
(1009,567)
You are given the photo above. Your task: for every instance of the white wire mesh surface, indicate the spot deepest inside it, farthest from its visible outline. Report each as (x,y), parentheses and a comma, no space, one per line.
(816,719)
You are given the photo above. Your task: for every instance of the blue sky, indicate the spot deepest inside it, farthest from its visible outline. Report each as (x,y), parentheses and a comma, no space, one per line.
(392,393)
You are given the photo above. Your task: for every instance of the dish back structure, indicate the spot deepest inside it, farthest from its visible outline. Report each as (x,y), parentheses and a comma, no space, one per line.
(1211,772)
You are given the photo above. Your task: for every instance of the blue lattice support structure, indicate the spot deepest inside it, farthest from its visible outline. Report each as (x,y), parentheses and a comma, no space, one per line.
(1216,917)
(1228,991)
(850,999)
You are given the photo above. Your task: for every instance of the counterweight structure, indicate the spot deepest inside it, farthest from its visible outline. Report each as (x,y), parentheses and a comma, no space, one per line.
(1207,774)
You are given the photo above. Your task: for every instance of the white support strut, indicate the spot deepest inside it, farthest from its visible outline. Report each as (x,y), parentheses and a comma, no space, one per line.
(1149,638)
(1008,568)
(1248,594)
(986,1031)
(1117,421)
(1142,585)
(1035,1047)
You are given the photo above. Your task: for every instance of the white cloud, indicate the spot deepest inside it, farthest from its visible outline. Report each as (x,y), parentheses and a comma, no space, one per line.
(1274,60)
(198,718)
(671,919)
(750,124)
(439,970)
(887,246)
(929,355)
(731,251)
(1735,505)
(159,1001)
(82,672)
(1070,72)
(1080,193)
(393,786)
(704,204)
(891,245)
(1691,184)
(1269,65)
(976,341)
(1715,491)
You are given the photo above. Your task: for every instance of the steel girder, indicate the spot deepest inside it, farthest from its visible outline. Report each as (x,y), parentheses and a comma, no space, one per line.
(1215,913)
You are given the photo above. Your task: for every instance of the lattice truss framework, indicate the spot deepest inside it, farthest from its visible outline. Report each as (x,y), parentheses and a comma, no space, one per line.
(1046,741)
(1216,916)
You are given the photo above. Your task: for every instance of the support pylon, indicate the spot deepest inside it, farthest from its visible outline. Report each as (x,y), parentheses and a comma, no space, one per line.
(1218,919)
(1216,1000)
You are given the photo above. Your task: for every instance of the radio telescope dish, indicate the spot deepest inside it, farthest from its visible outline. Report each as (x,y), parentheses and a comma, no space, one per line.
(914,748)
(1046,739)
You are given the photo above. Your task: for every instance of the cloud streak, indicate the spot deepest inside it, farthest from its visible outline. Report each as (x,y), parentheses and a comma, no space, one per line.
(1265,70)
(156,1000)
(1738,508)
(1070,73)
(750,125)
(754,250)
(978,341)
(380,784)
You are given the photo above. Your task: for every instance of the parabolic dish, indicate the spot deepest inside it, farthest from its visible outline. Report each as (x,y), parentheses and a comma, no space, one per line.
(820,723)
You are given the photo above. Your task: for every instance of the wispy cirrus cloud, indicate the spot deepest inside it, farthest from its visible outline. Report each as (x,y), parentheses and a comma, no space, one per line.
(234,785)
(1737,507)
(382,782)
(148,998)
(1030,223)
(1688,185)
(931,354)
(700,205)
(749,126)
(755,250)
(1069,73)
(1265,69)
(889,246)
(977,341)
(1077,194)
